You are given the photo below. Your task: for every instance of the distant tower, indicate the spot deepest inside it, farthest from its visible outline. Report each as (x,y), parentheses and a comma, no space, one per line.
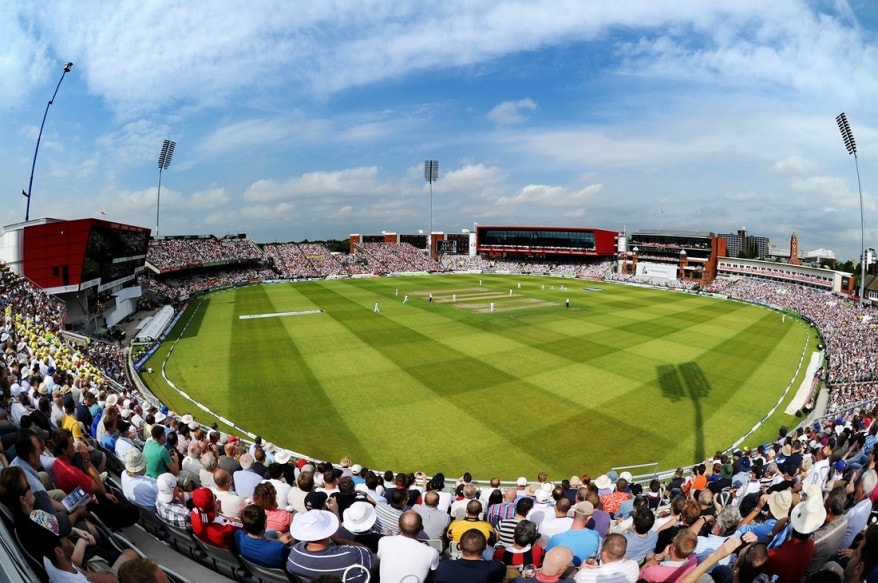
(794,250)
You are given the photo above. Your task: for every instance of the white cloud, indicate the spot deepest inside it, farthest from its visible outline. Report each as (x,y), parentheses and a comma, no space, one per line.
(795,165)
(511,112)
(345,183)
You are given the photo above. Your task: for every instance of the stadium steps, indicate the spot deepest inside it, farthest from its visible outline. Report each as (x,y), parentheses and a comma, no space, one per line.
(189,569)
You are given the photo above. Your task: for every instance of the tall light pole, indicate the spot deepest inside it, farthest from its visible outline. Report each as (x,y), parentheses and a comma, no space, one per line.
(164,161)
(30,183)
(848,136)
(431,173)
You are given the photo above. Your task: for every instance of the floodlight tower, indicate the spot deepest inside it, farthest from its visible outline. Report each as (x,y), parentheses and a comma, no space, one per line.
(164,161)
(30,183)
(848,136)
(431,173)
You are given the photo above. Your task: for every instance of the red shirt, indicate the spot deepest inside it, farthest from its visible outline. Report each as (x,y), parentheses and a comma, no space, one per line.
(517,559)
(217,534)
(790,560)
(611,502)
(68,477)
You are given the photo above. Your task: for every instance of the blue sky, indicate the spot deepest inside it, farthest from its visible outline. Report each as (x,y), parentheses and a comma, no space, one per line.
(312,120)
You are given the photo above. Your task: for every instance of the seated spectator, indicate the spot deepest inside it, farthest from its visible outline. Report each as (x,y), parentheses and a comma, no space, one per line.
(790,560)
(158,458)
(583,541)
(458,528)
(139,488)
(141,570)
(252,544)
(48,537)
(674,561)
(557,564)
(207,525)
(435,521)
(689,517)
(403,556)
(612,501)
(828,538)
(725,526)
(208,466)
(229,504)
(523,551)
(278,518)
(600,520)
(388,514)
(275,475)
(316,555)
(641,541)
(112,511)
(192,461)
(762,523)
(471,567)
(28,449)
(304,485)
(613,567)
(170,505)
(359,521)
(558,523)
(506,527)
(503,510)
(246,479)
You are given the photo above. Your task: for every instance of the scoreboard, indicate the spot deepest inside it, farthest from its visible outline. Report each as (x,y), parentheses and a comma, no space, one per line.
(446,247)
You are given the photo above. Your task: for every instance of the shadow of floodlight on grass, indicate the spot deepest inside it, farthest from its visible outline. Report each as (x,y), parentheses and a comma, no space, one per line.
(684,381)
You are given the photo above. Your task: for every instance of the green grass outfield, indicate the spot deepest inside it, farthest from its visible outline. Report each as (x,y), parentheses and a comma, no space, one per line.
(624,376)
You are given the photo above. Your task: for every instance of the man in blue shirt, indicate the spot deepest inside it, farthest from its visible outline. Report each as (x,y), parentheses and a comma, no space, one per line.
(582,541)
(252,544)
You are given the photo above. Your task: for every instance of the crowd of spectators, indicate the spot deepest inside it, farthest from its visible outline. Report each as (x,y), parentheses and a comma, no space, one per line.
(652,281)
(180,286)
(384,258)
(848,330)
(303,260)
(187,253)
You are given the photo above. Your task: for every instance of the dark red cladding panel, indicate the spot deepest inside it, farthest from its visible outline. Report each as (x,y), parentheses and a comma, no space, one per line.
(54,253)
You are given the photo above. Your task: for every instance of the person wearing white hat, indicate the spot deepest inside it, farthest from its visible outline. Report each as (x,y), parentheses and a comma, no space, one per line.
(359,521)
(604,484)
(170,502)
(778,503)
(402,556)
(828,538)
(315,554)
(790,560)
(137,487)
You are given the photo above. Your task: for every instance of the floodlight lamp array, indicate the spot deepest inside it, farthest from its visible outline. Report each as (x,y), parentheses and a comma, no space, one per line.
(846,134)
(431,170)
(166,154)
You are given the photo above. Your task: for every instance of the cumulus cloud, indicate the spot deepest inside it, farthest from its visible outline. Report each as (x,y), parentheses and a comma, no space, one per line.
(794,165)
(511,112)
(344,183)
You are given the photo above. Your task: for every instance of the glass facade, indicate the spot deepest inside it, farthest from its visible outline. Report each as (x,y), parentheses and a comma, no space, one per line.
(537,238)
(112,254)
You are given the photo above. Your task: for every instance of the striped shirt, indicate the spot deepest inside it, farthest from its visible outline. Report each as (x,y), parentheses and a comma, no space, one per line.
(498,512)
(506,531)
(331,561)
(387,521)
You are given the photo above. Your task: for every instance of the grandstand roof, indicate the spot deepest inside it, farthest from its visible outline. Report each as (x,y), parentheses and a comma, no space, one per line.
(672,233)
